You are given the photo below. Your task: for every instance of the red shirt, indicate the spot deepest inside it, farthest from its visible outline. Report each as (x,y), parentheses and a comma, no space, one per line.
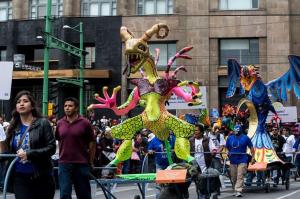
(74,139)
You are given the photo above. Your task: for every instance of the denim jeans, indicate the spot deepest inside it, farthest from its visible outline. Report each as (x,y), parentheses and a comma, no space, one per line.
(3,168)
(260,178)
(29,186)
(77,174)
(297,164)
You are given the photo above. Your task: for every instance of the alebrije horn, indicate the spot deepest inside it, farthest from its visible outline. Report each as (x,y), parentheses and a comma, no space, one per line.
(125,33)
(155,30)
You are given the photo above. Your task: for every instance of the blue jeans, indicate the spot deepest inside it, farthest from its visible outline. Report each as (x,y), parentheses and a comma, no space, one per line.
(297,164)
(77,174)
(260,176)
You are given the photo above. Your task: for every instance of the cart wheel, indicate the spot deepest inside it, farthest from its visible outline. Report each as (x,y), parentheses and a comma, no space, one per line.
(215,196)
(287,185)
(267,188)
(137,197)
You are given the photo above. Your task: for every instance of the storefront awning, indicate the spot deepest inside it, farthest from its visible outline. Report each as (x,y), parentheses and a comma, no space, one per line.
(67,73)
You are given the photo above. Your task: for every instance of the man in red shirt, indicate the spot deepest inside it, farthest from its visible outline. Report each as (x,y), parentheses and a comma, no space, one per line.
(76,151)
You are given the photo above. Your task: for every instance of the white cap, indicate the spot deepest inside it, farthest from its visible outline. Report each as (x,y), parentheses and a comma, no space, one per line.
(107,129)
(151,136)
(5,124)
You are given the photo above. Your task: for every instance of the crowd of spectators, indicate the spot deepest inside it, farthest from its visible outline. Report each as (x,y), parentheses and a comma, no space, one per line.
(214,139)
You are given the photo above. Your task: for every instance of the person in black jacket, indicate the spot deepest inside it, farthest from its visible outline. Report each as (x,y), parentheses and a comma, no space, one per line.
(30,137)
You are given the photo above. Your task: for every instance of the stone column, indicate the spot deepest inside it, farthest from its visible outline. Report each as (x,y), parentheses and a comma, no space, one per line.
(20,9)
(72,8)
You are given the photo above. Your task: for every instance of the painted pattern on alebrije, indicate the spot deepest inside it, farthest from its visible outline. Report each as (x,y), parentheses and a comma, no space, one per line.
(182,148)
(125,150)
(157,127)
(128,128)
(180,128)
(167,122)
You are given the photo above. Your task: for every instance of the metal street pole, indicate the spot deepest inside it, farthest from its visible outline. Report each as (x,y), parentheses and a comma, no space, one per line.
(46,60)
(81,68)
(53,42)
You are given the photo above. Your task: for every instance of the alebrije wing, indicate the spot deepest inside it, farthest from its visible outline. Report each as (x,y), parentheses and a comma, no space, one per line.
(290,80)
(192,119)
(234,69)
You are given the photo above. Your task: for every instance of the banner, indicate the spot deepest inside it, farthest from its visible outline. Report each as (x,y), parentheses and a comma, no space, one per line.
(286,114)
(178,103)
(6,70)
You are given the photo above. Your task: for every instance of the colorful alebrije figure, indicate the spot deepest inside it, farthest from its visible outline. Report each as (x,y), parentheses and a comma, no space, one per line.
(228,110)
(152,92)
(258,101)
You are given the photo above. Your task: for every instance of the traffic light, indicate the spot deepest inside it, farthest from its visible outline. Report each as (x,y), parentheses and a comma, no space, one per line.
(53,98)
(53,90)
(52,109)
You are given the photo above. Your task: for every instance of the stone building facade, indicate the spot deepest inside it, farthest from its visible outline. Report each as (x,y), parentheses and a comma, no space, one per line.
(261,31)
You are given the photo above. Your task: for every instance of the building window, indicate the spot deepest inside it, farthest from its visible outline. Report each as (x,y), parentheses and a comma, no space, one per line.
(5,10)
(38,8)
(245,51)
(90,58)
(238,4)
(3,55)
(99,7)
(167,50)
(151,7)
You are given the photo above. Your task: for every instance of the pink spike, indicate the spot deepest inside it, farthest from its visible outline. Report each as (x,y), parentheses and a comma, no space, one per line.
(185,56)
(157,51)
(182,68)
(187,49)
(100,99)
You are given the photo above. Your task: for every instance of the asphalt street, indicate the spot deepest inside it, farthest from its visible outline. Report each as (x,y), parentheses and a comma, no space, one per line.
(128,191)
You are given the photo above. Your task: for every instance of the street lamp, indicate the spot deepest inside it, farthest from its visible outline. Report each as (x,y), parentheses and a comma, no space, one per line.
(81,65)
(53,42)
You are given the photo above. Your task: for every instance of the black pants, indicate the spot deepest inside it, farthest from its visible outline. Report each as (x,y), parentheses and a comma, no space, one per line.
(27,186)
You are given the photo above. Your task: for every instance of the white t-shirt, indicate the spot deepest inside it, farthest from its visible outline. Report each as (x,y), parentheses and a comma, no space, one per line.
(288,146)
(2,134)
(56,155)
(104,121)
(217,143)
(199,155)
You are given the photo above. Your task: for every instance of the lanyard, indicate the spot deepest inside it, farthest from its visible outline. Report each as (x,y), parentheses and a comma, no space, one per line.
(20,142)
(238,143)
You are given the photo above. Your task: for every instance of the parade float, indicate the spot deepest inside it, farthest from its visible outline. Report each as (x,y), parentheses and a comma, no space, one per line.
(259,104)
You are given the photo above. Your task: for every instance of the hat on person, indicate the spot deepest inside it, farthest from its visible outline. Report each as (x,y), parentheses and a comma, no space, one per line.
(107,129)
(5,124)
(216,126)
(151,136)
